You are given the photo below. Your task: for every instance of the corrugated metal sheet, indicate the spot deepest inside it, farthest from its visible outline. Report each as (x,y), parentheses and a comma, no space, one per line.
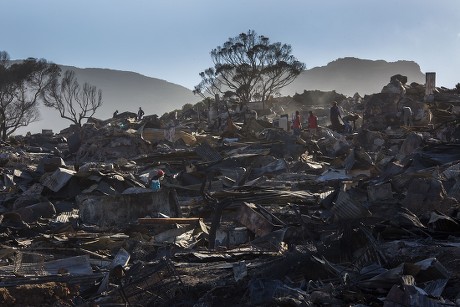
(323,195)
(436,287)
(207,153)
(442,222)
(58,179)
(346,208)
(455,190)
(452,171)
(349,161)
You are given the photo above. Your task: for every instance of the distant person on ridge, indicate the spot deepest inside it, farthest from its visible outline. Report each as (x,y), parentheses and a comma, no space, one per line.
(140,113)
(115,113)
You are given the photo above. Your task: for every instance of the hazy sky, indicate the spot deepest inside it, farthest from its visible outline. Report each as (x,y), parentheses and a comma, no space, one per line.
(172,39)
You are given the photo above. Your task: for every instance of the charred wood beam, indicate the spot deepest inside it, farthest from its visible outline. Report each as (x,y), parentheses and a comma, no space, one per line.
(71,279)
(170,220)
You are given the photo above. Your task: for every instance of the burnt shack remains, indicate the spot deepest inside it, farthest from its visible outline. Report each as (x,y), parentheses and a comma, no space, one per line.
(247,214)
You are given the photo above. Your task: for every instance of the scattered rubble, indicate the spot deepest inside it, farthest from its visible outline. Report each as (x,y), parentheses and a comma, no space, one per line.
(247,215)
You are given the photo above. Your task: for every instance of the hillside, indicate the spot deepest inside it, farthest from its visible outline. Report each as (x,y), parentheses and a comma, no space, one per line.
(122,91)
(350,75)
(127,91)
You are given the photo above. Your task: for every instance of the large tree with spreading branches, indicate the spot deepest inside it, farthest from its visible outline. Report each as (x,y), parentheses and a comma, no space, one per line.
(22,83)
(250,66)
(73,101)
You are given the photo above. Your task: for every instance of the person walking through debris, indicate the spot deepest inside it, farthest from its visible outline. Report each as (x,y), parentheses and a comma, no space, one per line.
(155,181)
(296,124)
(334,116)
(351,118)
(313,124)
(407,116)
(140,113)
(115,113)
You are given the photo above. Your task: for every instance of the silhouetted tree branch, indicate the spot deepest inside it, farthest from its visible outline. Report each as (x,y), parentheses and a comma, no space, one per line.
(21,86)
(72,101)
(249,65)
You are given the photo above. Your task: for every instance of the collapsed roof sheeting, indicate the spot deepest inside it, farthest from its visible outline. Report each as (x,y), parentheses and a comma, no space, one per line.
(326,218)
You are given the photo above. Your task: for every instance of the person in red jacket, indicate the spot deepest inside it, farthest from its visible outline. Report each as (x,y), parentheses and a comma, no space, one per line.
(313,124)
(297,124)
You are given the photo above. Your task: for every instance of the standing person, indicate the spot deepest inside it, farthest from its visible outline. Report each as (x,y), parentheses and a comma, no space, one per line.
(155,181)
(296,124)
(407,116)
(140,113)
(334,116)
(313,124)
(115,113)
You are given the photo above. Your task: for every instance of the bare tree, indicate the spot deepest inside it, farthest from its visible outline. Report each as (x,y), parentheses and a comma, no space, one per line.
(21,86)
(209,84)
(72,101)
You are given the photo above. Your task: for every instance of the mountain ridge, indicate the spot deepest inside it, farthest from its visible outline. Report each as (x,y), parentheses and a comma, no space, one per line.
(351,75)
(127,90)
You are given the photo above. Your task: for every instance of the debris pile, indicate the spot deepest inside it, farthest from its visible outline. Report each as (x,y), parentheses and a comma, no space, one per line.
(248,214)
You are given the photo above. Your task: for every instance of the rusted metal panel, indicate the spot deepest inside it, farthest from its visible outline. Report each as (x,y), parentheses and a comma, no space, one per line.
(253,220)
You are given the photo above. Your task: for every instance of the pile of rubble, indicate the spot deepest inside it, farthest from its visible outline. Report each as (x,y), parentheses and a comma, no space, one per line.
(247,213)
